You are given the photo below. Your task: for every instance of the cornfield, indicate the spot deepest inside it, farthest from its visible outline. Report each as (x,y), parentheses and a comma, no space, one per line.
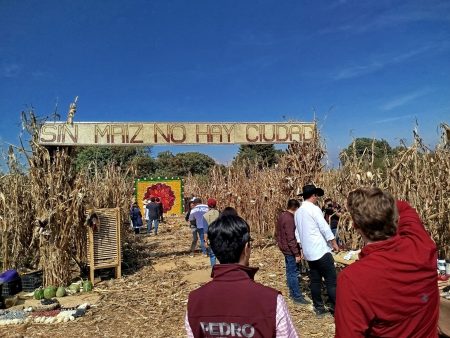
(417,174)
(42,209)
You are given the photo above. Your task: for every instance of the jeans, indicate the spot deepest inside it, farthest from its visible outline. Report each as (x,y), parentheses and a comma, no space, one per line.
(196,232)
(155,222)
(292,277)
(212,257)
(323,267)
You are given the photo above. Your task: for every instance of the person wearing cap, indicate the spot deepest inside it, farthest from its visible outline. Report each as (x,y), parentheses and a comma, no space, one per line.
(211,215)
(316,239)
(196,215)
(391,291)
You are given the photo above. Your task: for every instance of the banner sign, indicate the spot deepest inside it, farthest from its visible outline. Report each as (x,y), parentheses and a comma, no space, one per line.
(155,133)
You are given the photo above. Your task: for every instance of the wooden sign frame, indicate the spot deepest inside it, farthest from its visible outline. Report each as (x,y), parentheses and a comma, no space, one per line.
(104,242)
(174,133)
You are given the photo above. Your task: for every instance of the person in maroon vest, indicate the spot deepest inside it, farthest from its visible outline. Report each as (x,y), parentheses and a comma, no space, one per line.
(233,304)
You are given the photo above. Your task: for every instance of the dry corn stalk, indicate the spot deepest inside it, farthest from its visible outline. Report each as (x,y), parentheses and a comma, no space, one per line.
(417,174)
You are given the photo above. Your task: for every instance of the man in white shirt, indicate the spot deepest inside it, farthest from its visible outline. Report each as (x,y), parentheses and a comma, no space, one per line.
(317,241)
(197,214)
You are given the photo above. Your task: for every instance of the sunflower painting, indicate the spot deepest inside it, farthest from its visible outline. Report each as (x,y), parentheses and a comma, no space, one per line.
(168,190)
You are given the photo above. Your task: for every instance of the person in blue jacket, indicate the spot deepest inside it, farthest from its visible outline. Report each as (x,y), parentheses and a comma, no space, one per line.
(136,217)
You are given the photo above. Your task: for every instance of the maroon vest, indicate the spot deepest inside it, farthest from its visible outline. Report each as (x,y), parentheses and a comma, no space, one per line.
(233,305)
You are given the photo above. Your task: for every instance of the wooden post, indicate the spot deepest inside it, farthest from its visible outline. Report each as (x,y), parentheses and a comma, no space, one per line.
(119,246)
(91,255)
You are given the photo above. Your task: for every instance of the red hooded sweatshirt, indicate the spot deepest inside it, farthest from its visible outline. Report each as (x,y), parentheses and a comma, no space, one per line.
(392,290)
(233,305)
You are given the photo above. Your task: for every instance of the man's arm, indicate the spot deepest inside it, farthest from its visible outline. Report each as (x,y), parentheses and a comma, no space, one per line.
(351,317)
(409,223)
(205,230)
(192,214)
(289,230)
(325,229)
(297,234)
(285,328)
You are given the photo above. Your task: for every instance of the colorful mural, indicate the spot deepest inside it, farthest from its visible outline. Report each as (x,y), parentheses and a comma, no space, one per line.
(169,190)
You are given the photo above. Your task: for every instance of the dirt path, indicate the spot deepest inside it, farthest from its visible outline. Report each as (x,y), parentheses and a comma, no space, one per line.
(152,301)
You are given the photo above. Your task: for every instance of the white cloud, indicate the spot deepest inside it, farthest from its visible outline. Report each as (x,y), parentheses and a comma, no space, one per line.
(394,118)
(381,61)
(376,16)
(404,99)
(356,71)
(11,70)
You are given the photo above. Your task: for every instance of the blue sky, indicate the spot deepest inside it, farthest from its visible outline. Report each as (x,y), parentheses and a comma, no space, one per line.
(363,68)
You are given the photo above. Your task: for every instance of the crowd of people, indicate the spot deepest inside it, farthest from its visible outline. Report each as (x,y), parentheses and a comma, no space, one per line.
(391,291)
(153,215)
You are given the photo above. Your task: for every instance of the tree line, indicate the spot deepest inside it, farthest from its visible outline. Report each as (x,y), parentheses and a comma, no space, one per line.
(168,164)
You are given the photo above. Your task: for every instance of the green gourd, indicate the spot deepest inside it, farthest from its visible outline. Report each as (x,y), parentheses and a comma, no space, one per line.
(49,292)
(39,294)
(61,292)
(87,286)
(74,288)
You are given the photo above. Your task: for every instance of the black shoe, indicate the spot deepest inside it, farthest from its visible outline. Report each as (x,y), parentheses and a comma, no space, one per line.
(300,300)
(321,312)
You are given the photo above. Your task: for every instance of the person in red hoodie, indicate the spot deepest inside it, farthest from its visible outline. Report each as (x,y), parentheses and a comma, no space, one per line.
(391,291)
(233,304)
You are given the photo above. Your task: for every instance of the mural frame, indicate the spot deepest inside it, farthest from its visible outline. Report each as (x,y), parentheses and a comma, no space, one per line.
(155,180)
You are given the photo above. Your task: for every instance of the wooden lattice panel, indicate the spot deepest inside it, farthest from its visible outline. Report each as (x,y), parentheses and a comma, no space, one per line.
(104,244)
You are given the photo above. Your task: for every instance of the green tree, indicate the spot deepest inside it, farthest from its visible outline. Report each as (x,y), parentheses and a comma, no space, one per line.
(145,166)
(85,156)
(259,153)
(182,164)
(363,145)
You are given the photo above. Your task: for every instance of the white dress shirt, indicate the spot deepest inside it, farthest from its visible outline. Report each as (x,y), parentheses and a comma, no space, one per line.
(312,231)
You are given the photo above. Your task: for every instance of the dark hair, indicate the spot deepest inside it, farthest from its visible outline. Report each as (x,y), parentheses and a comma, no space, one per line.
(293,203)
(152,199)
(197,200)
(307,195)
(227,236)
(328,199)
(229,211)
(157,199)
(374,212)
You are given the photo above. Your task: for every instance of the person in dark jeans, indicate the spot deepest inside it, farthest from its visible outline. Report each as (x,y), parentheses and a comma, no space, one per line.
(285,236)
(153,215)
(317,241)
(323,268)
(161,209)
(136,217)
